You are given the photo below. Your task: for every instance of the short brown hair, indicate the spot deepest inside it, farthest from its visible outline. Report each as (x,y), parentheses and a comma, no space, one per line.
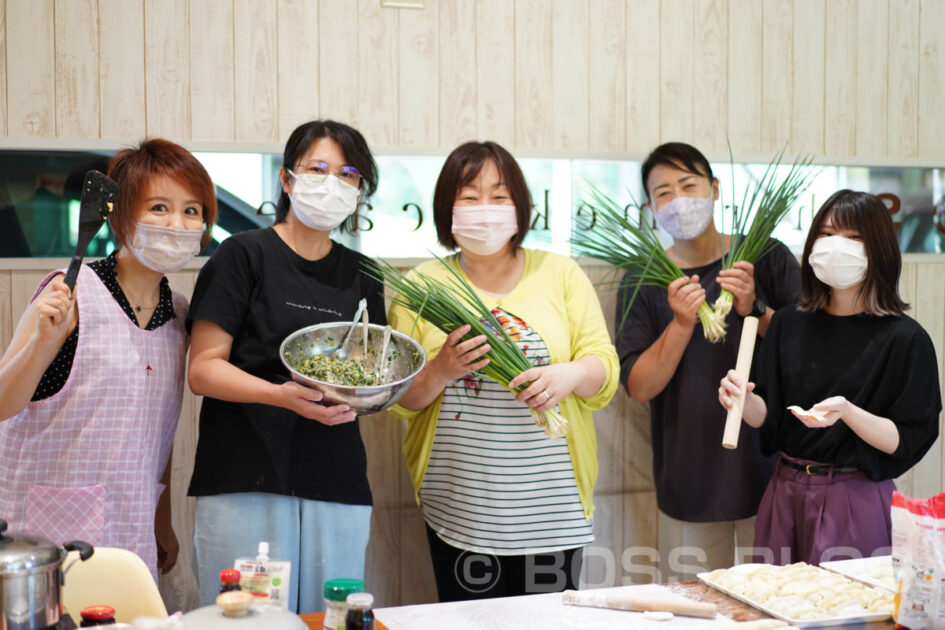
(133,168)
(867,214)
(461,167)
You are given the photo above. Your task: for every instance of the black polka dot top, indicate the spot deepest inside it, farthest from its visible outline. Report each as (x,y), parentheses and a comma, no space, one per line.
(58,371)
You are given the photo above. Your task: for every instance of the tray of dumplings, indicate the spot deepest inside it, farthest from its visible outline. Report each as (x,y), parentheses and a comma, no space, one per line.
(802,595)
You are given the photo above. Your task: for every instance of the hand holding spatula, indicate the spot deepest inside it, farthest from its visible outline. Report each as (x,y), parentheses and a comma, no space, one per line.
(99,194)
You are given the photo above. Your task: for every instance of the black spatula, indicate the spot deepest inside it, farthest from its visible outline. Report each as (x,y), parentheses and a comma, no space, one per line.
(99,194)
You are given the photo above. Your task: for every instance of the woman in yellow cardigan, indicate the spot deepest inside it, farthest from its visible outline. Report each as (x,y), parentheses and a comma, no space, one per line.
(507,509)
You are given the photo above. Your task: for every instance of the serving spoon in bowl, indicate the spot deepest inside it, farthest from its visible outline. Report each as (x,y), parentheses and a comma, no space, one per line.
(341,350)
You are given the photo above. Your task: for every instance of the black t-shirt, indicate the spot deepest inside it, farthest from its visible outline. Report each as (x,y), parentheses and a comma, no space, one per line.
(697,479)
(885,365)
(257,289)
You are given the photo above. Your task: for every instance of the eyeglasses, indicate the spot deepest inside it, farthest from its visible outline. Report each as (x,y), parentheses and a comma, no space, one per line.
(317,172)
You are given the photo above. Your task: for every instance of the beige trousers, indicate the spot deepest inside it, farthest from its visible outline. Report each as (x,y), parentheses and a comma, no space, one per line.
(688,548)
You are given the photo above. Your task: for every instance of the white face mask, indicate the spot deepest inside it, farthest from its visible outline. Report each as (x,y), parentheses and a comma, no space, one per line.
(164,249)
(484,230)
(322,205)
(685,218)
(838,262)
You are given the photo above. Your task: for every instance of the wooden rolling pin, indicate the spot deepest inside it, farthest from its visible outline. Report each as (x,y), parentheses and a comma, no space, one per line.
(639,603)
(746,348)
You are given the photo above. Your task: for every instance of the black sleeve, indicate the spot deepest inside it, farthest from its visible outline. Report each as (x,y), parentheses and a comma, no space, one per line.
(636,327)
(375,296)
(916,408)
(778,281)
(765,372)
(224,287)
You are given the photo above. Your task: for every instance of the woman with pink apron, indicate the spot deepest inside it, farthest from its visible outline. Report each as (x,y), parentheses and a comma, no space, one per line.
(92,382)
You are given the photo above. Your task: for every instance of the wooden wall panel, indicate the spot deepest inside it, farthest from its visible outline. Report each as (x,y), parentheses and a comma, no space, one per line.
(902,133)
(378,88)
(807,112)
(77,68)
(570,89)
(533,74)
(496,68)
(931,79)
(338,61)
(458,69)
(744,75)
(928,309)
(677,71)
(644,101)
(212,59)
(30,68)
(872,28)
(777,74)
(418,71)
(297,63)
(710,62)
(122,70)
(607,75)
(256,84)
(840,79)
(167,69)
(7,322)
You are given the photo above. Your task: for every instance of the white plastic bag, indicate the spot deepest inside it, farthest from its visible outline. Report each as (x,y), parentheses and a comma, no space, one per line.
(918,556)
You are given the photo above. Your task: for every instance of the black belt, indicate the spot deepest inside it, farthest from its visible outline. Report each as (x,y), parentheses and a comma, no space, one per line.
(817,469)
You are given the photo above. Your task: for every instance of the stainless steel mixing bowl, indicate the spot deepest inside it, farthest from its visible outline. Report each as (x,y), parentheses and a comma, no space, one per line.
(405,360)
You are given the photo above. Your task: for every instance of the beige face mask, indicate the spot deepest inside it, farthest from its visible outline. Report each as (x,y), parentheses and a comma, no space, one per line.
(164,249)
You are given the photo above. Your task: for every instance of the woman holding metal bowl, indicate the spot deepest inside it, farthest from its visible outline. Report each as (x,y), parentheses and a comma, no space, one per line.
(273,463)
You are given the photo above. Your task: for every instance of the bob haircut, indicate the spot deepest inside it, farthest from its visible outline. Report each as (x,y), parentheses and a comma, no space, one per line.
(867,214)
(676,155)
(356,153)
(133,168)
(462,166)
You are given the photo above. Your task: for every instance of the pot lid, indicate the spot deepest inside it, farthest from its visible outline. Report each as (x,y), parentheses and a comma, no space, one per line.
(22,552)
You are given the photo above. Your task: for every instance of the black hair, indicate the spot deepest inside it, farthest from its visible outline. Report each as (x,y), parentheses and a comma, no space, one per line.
(353,145)
(677,155)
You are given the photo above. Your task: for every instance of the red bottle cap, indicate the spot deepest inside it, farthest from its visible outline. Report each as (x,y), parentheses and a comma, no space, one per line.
(97,613)
(229,576)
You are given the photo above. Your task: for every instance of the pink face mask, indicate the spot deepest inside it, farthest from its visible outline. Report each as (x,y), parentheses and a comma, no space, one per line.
(484,230)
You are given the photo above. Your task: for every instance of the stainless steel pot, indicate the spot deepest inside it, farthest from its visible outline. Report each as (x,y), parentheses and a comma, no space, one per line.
(30,579)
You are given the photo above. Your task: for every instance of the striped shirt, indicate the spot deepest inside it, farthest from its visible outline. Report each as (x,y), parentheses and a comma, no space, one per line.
(495,483)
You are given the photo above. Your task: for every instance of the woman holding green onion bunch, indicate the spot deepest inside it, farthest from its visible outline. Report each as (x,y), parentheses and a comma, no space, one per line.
(707,495)
(507,509)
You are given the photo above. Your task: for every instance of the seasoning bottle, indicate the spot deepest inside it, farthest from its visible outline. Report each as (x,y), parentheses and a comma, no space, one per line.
(360,616)
(97,616)
(336,595)
(229,580)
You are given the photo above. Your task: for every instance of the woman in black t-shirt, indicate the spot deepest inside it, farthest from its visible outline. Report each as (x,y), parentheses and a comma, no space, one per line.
(272,463)
(847,391)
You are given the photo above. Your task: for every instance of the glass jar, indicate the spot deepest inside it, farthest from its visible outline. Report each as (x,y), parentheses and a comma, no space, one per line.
(336,595)
(359,615)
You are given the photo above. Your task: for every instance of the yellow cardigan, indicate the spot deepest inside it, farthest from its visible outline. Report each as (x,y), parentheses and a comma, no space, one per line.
(556,299)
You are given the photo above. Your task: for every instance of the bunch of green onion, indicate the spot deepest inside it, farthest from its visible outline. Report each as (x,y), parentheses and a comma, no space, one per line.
(635,249)
(451,304)
(764,205)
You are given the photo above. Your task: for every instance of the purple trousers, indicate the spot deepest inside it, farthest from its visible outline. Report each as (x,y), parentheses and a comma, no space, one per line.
(819,517)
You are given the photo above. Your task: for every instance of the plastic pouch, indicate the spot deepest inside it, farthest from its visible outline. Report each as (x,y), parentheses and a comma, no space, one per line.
(918,558)
(265,579)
